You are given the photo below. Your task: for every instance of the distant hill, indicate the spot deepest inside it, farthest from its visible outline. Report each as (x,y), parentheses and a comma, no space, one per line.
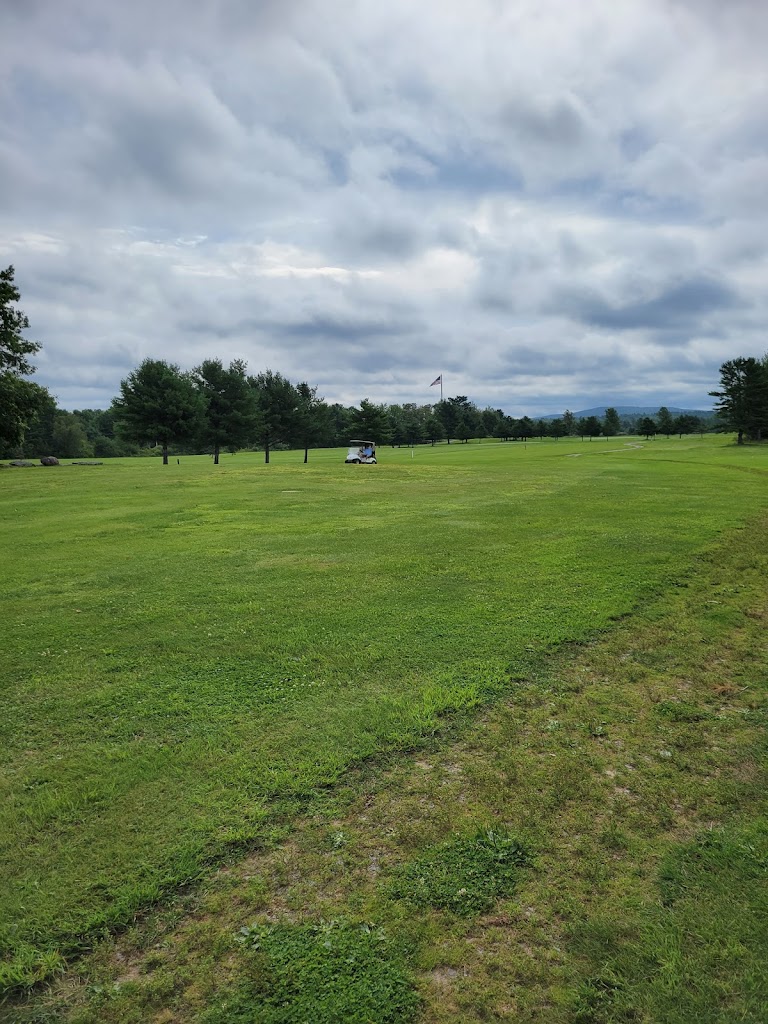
(631,410)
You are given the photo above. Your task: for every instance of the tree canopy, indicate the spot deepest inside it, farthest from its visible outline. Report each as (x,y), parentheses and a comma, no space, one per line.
(611,422)
(370,422)
(230,415)
(742,401)
(14,347)
(214,407)
(647,427)
(159,404)
(278,406)
(20,399)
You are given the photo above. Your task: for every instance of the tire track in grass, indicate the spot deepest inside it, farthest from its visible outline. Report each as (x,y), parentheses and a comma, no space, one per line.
(611,761)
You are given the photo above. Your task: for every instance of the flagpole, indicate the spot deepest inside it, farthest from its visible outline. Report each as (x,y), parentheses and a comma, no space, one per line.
(441,385)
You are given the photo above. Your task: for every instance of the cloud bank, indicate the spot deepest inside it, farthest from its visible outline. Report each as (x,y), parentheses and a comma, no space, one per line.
(552,204)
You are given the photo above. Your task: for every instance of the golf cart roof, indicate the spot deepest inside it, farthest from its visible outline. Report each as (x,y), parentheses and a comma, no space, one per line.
(353,441)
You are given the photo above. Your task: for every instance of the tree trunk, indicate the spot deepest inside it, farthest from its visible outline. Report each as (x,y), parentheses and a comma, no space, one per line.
(165,454)
(215,455)
(306,454)
(740,438)
(266,450)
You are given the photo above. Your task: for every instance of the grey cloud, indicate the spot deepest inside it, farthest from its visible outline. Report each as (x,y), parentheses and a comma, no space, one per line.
(536,204)
(558,124)
(677,306)
(162,129)
(328,328)
(380,239)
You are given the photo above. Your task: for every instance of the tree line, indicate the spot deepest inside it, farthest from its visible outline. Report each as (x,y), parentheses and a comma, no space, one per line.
(214,408)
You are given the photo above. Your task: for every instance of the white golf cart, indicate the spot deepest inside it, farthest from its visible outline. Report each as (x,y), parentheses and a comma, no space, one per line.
(361,453)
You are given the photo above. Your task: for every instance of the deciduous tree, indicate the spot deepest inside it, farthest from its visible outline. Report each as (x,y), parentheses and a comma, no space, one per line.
(19,402)
(69,439)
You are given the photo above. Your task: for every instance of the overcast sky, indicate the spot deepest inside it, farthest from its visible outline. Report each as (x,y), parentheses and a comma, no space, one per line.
(552,203)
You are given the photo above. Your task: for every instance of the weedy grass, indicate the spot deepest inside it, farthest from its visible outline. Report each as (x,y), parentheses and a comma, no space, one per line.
(466,875)
(645,899)
(699,952)
(325,973)
(195,655)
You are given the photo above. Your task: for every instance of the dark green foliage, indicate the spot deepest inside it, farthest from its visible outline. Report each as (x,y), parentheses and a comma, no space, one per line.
(277,402)
(460,417)
(158,404)
(313,421)
(557,428)
(68,438)
(19,399)
(433,429)
(523,428)
(664,421)
(99,427)
(491,419)
(505,428)
(14,348)
(647,427)
(611,423)
(407,423)
(328,973)
(231,415)
(742,401)
(339,424)
(370,422)
(686,424)
(466,875)
(463,429)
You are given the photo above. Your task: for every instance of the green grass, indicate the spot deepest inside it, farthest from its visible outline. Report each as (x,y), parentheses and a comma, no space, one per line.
(466,875)
(699,953)
(191,654)
(324,973)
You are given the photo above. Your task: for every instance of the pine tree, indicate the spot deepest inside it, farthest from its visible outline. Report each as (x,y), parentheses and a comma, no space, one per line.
(742,401)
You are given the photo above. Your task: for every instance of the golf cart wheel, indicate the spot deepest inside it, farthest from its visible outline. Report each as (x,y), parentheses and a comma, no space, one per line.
(355,462)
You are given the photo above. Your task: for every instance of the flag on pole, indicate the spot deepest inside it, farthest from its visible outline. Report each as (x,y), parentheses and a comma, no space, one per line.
(437,380)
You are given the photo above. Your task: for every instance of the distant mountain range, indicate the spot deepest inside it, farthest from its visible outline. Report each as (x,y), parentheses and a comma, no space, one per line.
(630,410)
